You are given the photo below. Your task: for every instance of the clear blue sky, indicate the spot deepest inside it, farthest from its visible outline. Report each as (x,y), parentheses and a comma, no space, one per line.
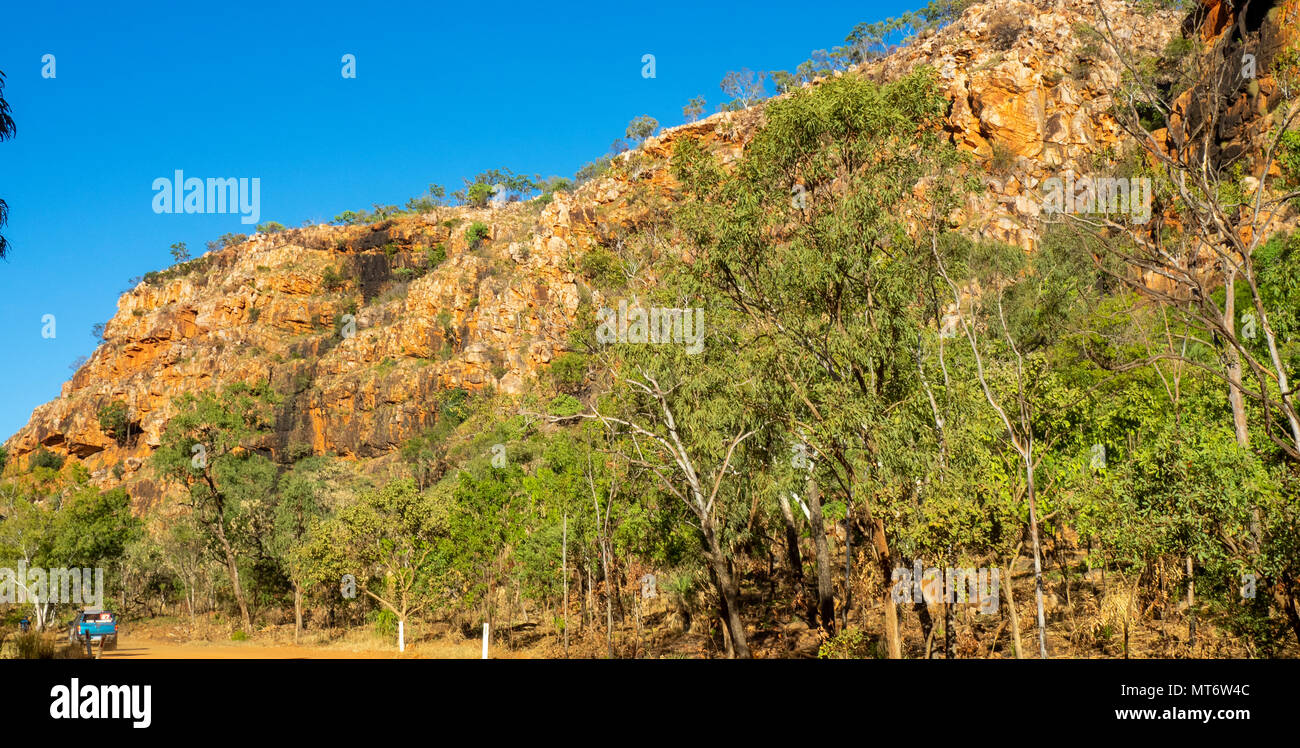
(240,89)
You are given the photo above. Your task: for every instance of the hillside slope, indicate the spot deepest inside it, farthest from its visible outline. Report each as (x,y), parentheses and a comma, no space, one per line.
(1029,96)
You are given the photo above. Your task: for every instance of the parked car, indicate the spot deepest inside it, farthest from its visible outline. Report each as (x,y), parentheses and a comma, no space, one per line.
(94,626)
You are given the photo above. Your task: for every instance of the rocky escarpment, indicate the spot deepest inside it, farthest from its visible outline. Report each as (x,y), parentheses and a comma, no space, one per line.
(1030,92)
(359,328)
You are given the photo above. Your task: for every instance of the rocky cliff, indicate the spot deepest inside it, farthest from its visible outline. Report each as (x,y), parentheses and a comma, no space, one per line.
(1030,90)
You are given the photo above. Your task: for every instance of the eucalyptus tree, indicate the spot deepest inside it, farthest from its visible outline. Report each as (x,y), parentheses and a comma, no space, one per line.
(806,239)
(212,449)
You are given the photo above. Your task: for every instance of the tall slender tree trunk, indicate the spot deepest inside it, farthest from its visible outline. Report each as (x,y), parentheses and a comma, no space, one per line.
(727,590)
(893,637)
(927,626)
(564,555)
(794,558)
(950,630)
(1191,606)
(1013,614)
(1289,604)
(1038,562)
(609,609)
(848,558)
(232,569)
(1233,360)
(825,592)
(297,612)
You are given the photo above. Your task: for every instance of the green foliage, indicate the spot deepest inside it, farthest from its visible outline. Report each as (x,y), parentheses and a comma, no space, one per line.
(745,87)
(44,458)
(210,449)
(849,644)
(113,420)
(197,265)
(1288,157)
(594,170)
(568,372)
(603,268)
(270,227)
(477,232)
(694,108)
(501,182)
(477,194)
(435,256)
(395,540)
(94,528)
(641,128)
(334,280)
(564,405)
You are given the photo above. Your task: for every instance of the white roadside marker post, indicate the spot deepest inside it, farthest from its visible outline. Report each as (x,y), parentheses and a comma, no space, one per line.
(485,640)
(401,636)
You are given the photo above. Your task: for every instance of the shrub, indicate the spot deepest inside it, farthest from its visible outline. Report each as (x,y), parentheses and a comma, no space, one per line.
(1002,160)
(478,194)
(593,170)
(404,274)
(270,227)
(849,644)
(333,279)
(254,313)
(694,108)
(390,250)
(385,622)
(33,646)
(1288,156)
(477,232)
(435,255)
(564,405)
(44,458)
(238,636)
(641,128)
(568,372)
(601,267)
(298,451)
(113,420)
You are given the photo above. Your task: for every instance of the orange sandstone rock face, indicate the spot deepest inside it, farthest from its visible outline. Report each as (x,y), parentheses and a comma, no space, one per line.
(261,310)
(1033,101)
(1031,87)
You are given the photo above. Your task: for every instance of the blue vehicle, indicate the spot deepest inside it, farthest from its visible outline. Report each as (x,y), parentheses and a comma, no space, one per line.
(94,626)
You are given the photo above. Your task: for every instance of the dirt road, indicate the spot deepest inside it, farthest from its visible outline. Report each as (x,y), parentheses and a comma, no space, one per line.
(144,649)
